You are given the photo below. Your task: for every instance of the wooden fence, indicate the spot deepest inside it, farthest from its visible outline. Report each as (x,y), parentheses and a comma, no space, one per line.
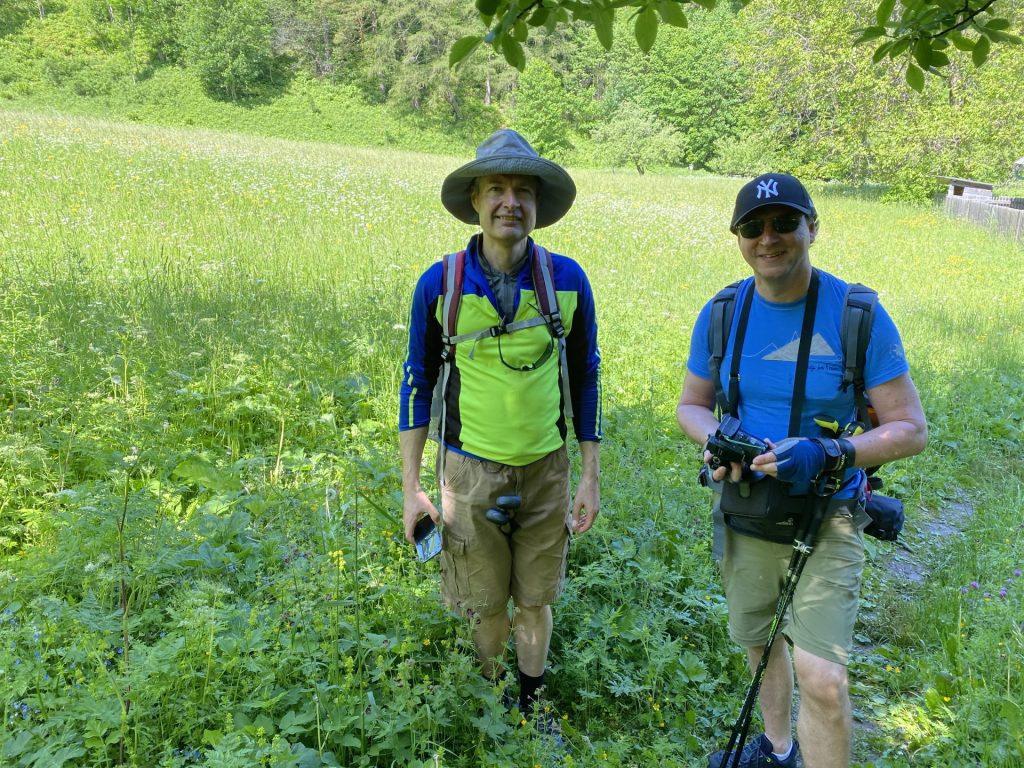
(998,214)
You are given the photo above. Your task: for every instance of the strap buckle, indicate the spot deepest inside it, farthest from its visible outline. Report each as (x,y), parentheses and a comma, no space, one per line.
(554,321)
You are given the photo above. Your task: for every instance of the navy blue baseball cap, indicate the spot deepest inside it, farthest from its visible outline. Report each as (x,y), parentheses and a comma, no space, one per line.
(771,189)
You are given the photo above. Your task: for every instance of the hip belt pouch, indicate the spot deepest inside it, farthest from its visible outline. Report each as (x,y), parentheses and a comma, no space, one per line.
(762,508)
(764,499)
(886,517)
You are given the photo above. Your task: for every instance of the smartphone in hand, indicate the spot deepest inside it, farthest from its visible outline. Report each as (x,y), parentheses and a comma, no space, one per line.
(428,539)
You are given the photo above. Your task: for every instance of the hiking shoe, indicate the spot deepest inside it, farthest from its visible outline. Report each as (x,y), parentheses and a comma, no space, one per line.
(509,699)
(757,754)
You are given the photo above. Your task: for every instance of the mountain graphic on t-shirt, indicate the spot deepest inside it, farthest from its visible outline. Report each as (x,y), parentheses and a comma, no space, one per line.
(789,352)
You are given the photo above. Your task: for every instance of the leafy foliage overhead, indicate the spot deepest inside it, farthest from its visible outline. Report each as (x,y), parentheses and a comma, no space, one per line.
(919,30)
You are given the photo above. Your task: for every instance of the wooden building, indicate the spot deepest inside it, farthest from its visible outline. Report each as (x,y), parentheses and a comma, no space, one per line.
(966,187)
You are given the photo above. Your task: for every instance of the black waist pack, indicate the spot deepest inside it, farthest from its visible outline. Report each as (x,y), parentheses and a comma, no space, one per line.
(886,516)
(763,509)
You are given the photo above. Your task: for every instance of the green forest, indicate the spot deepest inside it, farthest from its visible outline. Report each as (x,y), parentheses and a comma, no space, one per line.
(742,88)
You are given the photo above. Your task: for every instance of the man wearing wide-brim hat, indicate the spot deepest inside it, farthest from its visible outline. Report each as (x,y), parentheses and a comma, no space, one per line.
(520,368)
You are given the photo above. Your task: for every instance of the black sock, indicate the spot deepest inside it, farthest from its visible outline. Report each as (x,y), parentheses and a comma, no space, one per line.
(528,688)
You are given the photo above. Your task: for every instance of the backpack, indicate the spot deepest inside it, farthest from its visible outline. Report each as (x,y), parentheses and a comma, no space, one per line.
(453,271)
(855,331)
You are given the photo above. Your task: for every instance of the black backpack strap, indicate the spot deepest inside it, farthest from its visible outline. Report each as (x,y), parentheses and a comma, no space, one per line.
(858,315)
(723,306)
(733,395)
(803,356)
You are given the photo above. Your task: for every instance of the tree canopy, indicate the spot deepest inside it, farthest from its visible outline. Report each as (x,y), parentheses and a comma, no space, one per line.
(919,32)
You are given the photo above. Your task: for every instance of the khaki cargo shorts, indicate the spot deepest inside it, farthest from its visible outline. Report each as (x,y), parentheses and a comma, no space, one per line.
(824,609)
(481,566)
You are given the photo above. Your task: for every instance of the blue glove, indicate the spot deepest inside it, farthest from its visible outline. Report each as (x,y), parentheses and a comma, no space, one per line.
(799,460)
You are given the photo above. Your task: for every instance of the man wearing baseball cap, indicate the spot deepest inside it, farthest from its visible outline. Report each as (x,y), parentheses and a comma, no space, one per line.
(789,312)
(514,376)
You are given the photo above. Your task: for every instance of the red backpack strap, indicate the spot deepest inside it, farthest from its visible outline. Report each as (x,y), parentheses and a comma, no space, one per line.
(544,287)
(453,270)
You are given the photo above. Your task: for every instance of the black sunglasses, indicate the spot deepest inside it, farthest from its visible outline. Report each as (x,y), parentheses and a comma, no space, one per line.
(529,366)
(532,367)
(783,225)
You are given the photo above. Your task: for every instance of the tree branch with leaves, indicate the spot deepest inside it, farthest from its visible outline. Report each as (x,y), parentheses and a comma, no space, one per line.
(919,30)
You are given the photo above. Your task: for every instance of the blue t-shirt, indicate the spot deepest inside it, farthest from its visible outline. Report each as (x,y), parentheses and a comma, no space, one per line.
(768,362)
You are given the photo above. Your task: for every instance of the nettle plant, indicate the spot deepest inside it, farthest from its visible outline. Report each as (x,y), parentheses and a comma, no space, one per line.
(211,617)
(202,619)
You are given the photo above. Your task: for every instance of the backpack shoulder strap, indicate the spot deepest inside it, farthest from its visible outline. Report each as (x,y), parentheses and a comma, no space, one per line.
(544,287)
(723,307)
(855,332)
(453,270)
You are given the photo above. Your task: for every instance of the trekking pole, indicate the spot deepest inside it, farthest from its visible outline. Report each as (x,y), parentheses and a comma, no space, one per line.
(802,548)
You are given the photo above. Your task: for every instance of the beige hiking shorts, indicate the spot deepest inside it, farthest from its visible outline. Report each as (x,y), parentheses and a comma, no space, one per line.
(482,565)
(824,609)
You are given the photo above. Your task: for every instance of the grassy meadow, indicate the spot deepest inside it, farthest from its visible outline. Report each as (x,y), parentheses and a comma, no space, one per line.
(201,560)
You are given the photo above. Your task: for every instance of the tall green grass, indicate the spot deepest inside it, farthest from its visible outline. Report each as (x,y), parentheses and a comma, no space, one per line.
(199,491)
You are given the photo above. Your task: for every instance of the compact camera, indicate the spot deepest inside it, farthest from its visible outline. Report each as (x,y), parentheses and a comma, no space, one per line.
(730,444)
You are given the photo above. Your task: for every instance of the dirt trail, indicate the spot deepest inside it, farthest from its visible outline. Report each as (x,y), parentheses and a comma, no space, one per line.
(901,565)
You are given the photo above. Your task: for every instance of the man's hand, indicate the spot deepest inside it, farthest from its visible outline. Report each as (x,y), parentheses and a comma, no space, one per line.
(415,502)
(587,502)
(793,460)
(586,505)
(730,471)
(697,419)
(414,506)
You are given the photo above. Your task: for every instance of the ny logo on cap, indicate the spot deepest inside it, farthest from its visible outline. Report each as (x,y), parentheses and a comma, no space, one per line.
(769,187)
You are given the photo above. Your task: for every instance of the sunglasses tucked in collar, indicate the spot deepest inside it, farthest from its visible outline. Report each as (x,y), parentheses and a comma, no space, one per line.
(782,224)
